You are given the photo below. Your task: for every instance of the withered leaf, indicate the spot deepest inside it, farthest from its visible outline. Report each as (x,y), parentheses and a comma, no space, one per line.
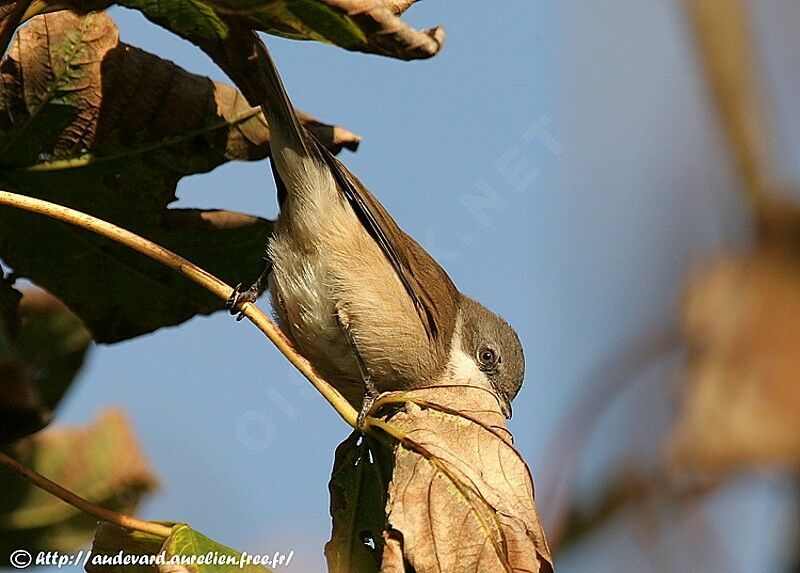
(742,387)
(39,358)
(461,496)
(11,15)
(7,8)
(361,25)
(372,26)
(101,462)
(89,122)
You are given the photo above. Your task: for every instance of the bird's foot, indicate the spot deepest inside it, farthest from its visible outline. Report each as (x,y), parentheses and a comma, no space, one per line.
(239,297)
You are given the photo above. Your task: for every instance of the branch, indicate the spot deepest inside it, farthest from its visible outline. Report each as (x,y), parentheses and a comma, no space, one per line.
(192,272)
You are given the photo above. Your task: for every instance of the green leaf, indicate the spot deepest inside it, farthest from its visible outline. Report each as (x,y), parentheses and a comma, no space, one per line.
(42,348)
(110,540)
(89,122)
(185,542)
(101,462)
(362,470)
(187,18)
(186,546)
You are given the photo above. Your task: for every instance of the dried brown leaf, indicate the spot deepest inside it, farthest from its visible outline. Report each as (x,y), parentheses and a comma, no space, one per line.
(461,495)
(372,26)
(379,28)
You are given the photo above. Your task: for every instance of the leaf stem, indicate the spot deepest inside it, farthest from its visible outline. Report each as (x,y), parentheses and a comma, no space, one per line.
(83,504)
(194,273)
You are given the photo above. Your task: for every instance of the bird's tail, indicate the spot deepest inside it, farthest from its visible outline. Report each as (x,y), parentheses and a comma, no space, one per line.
(285,129)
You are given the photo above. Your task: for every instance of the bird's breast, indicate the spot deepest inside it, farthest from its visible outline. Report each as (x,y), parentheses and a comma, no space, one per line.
(305,304)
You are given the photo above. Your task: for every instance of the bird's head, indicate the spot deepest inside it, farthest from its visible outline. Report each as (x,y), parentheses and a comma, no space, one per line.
(494,350)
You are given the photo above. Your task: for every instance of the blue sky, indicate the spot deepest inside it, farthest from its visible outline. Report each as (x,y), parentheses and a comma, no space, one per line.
(587,128)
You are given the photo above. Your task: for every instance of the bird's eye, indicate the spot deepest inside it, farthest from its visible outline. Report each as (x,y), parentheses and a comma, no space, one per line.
(487,357)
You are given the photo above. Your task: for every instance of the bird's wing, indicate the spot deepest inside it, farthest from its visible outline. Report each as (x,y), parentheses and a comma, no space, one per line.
(434,295)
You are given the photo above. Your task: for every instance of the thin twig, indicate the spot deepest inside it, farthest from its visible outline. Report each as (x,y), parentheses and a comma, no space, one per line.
(83,504)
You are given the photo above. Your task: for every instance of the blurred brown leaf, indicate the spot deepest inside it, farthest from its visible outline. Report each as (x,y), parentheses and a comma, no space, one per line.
(101,462)
(742,389)
(11,14)
(742,392)
(461,495)
(39,358)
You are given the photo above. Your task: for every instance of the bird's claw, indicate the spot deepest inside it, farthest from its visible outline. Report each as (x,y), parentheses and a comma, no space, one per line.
(366,409)
(238,298)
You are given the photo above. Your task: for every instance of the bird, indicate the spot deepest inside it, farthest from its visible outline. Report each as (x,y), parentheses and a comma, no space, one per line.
(356,295)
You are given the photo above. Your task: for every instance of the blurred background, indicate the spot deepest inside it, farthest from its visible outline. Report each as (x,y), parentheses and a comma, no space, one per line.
(606,176)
